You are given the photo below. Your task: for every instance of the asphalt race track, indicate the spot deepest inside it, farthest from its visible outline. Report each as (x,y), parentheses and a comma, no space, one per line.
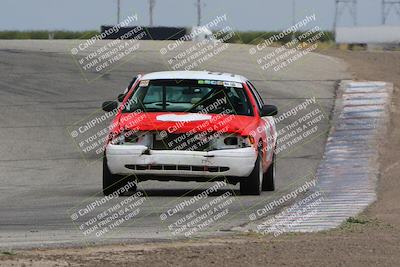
(44,178)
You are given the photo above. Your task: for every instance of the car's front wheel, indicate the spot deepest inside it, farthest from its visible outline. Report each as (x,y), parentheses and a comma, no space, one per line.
(251,185)
(112,182)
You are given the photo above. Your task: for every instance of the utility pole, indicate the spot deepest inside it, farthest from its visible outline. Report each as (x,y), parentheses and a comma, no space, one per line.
(118,10)
(340,6)
(152,3)
(198,12)
(293,17)
(387,6)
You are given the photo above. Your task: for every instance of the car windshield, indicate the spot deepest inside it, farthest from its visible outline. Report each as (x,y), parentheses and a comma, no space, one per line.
(194,96)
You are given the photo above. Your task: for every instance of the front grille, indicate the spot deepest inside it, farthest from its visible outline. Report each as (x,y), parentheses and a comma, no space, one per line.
(186,141)
(141,167)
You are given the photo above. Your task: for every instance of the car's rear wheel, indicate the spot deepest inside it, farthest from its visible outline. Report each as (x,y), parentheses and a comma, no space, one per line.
(112,182)
(268,183)
(251,185)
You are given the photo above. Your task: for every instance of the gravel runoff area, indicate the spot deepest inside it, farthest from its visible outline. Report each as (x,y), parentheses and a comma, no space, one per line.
(372,238)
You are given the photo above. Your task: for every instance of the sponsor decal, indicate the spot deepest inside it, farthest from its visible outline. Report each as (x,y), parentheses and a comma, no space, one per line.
(144,83)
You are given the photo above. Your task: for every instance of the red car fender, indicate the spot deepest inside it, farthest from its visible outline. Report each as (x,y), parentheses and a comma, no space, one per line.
(263,127)
(115,127)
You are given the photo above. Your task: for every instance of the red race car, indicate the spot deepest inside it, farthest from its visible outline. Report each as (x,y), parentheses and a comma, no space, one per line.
(191,126)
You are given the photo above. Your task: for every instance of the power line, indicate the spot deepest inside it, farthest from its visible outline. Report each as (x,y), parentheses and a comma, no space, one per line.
(340,6)
(387,6)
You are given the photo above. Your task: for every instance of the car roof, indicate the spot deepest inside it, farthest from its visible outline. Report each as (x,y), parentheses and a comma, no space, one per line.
(194,75)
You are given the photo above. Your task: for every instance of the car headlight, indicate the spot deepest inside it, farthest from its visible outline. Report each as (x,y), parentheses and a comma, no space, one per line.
(132,138)
(230,142)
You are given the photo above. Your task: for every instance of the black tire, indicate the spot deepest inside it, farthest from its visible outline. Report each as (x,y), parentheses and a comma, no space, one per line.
(112,182)
(251,185)
(268,183)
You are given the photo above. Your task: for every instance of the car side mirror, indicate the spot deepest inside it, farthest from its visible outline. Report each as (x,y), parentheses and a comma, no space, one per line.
(121,97)
(109,106)
(269,110)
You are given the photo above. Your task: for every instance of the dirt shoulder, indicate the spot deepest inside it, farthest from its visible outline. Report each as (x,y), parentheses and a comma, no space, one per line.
(374,238)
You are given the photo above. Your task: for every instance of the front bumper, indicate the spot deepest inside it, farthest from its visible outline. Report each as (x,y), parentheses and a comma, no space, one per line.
(139,160)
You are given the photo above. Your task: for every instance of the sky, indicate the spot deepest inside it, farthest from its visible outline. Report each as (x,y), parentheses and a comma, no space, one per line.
(243,15)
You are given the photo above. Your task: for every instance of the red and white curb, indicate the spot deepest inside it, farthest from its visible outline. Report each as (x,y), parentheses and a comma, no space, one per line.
(347,175)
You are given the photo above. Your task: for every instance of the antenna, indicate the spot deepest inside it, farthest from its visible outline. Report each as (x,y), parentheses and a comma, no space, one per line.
(387,6)
(152,4)
(340,6)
